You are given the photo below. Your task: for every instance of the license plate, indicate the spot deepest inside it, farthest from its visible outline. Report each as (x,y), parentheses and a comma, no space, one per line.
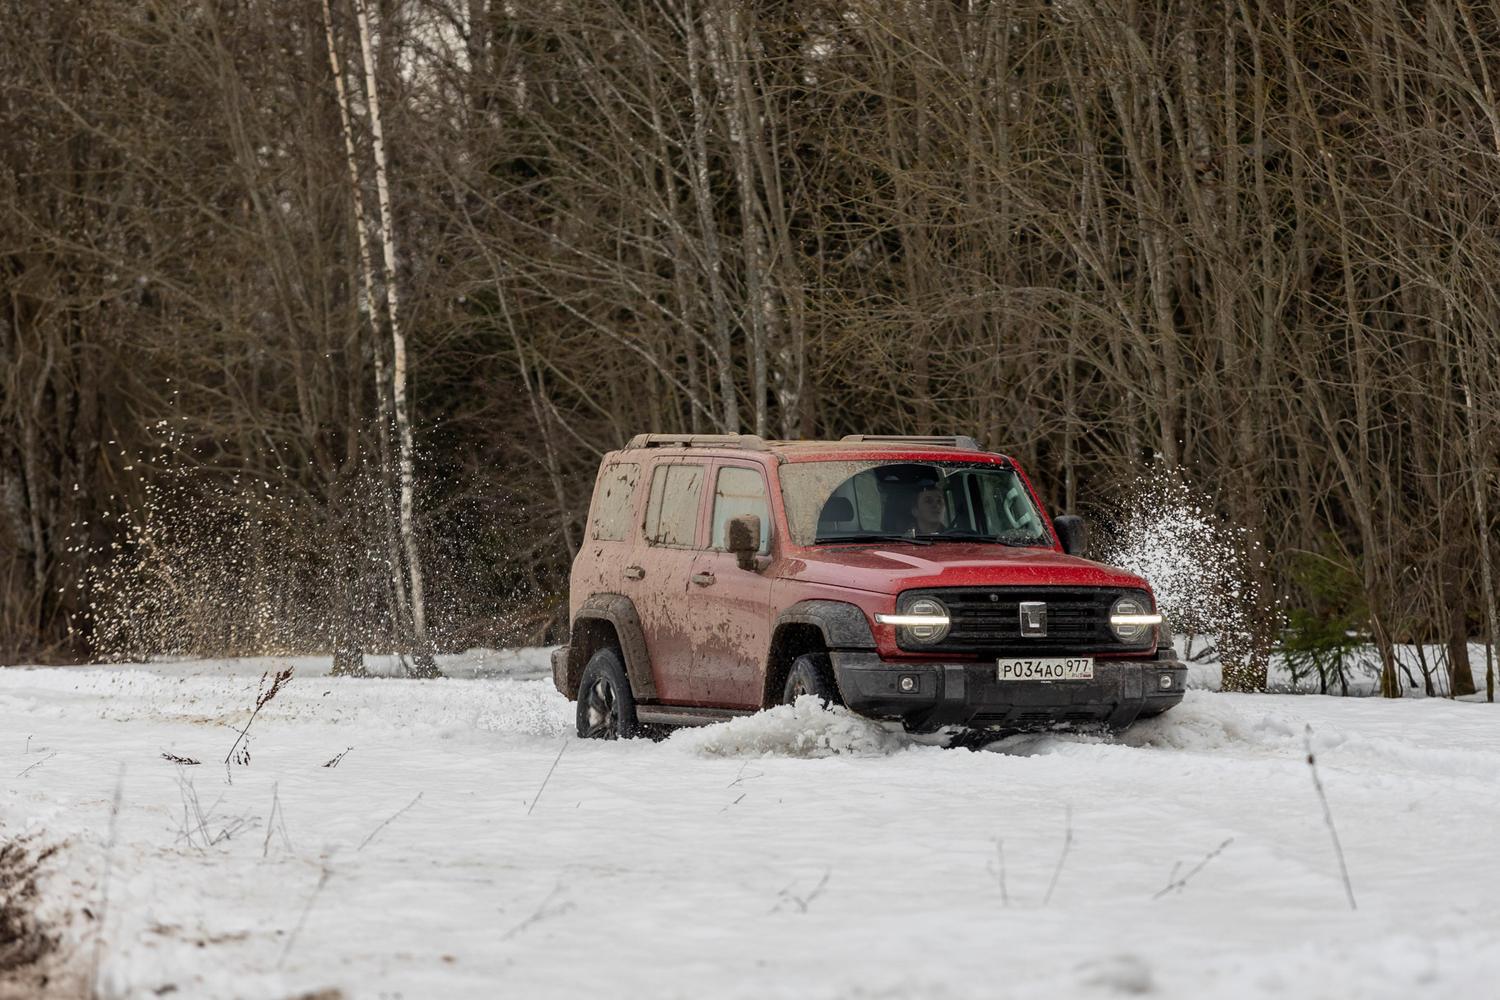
(1051,668)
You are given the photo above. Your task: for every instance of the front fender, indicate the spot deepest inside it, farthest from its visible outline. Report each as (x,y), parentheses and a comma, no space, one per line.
(844,625)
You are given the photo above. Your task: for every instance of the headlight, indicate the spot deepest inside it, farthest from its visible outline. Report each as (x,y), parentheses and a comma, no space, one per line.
(923,620)
(1131,619)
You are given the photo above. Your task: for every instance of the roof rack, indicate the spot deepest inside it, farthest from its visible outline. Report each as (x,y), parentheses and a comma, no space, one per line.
(751,442)
(940,440)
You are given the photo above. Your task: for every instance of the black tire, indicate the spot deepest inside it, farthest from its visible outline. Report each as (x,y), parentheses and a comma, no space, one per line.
(811,673)
(606,706)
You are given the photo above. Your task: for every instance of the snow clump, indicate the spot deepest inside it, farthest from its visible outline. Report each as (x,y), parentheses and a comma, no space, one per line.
(1208,721)
(807,728)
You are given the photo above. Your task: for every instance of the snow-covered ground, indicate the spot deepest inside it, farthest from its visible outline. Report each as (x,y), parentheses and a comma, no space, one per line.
(796,854)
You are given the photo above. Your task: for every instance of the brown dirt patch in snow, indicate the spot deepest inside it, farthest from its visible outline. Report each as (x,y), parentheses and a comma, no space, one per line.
(24,942)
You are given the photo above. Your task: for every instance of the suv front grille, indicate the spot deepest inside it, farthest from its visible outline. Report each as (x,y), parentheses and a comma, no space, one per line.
(988,620)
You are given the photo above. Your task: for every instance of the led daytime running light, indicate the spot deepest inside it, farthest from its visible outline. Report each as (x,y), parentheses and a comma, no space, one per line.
(908,621)
(1135,619)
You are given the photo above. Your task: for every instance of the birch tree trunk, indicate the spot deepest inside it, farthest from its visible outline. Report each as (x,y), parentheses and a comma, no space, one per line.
(703,200)
(726,56)
(400,610)
(423,658)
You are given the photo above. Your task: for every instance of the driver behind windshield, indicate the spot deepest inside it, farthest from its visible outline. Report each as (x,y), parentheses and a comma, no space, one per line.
(924,503)
(929,511)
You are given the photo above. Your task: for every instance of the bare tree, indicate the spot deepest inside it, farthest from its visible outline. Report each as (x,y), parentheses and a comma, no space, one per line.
(1247,248)
(423,656)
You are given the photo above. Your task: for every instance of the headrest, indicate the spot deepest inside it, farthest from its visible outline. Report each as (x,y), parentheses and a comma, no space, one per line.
(837,509)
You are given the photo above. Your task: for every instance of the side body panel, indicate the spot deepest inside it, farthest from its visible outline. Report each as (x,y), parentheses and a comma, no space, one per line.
(731,610)
(657,584)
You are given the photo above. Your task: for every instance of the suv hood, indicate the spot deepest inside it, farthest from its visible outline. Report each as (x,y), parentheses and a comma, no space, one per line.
(892,567)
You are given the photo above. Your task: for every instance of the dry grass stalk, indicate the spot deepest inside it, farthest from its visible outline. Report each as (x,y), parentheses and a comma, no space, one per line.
(388,822)
(802,903)
(1178,884)
(548,778)
(240,751)
(1312,766)
(1063,857)
(334,761)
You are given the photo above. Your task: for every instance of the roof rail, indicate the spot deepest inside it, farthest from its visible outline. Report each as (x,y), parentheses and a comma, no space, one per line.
(751,442)
(940,440)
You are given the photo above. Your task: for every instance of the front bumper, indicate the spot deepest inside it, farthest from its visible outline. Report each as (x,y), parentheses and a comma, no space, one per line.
(969,695)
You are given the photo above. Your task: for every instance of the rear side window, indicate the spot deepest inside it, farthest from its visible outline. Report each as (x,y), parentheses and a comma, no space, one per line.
(672,510)
(611,521)
(740,491)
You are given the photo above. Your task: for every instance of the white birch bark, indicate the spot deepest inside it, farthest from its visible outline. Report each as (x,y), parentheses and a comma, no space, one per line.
(398,339)
(726,56)
(371,308)
(703,198)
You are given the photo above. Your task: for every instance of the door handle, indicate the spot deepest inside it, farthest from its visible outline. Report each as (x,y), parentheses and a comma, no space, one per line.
(703,579)
(634,572)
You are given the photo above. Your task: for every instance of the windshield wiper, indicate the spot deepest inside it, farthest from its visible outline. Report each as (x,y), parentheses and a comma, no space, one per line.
(970,536)
(821,539)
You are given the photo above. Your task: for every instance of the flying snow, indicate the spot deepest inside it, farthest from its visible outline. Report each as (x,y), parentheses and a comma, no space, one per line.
(1195,561)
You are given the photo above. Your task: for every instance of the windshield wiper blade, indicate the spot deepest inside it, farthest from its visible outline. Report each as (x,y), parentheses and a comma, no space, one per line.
(821,539)
(960,536)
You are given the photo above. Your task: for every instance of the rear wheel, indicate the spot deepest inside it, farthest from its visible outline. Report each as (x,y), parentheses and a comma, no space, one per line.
(606,706)
(811,673)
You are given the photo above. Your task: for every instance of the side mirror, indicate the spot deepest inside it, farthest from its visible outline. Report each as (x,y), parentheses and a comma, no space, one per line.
(744,539)
(1073,532)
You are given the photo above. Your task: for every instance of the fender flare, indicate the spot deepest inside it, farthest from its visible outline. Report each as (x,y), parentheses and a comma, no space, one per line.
(619,611)
(844,625)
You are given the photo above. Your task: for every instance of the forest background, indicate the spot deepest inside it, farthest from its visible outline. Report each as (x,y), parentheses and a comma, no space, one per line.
(1245,248)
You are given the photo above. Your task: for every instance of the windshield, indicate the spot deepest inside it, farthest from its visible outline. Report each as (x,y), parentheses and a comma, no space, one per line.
(829,502)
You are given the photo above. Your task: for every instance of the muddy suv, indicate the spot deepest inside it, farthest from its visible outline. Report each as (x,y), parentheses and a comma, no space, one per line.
(917,581)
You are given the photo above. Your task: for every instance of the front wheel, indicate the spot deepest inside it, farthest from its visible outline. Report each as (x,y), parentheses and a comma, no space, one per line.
(812,674)
(606,706)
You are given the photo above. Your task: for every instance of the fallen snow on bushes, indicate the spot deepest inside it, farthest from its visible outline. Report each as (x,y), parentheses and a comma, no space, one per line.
(465,844)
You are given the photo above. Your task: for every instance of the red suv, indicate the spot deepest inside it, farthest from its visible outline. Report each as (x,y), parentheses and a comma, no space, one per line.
(916,580)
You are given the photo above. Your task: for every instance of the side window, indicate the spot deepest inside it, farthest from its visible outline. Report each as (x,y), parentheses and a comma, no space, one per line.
(740,491)
(672,510)
(611,520)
